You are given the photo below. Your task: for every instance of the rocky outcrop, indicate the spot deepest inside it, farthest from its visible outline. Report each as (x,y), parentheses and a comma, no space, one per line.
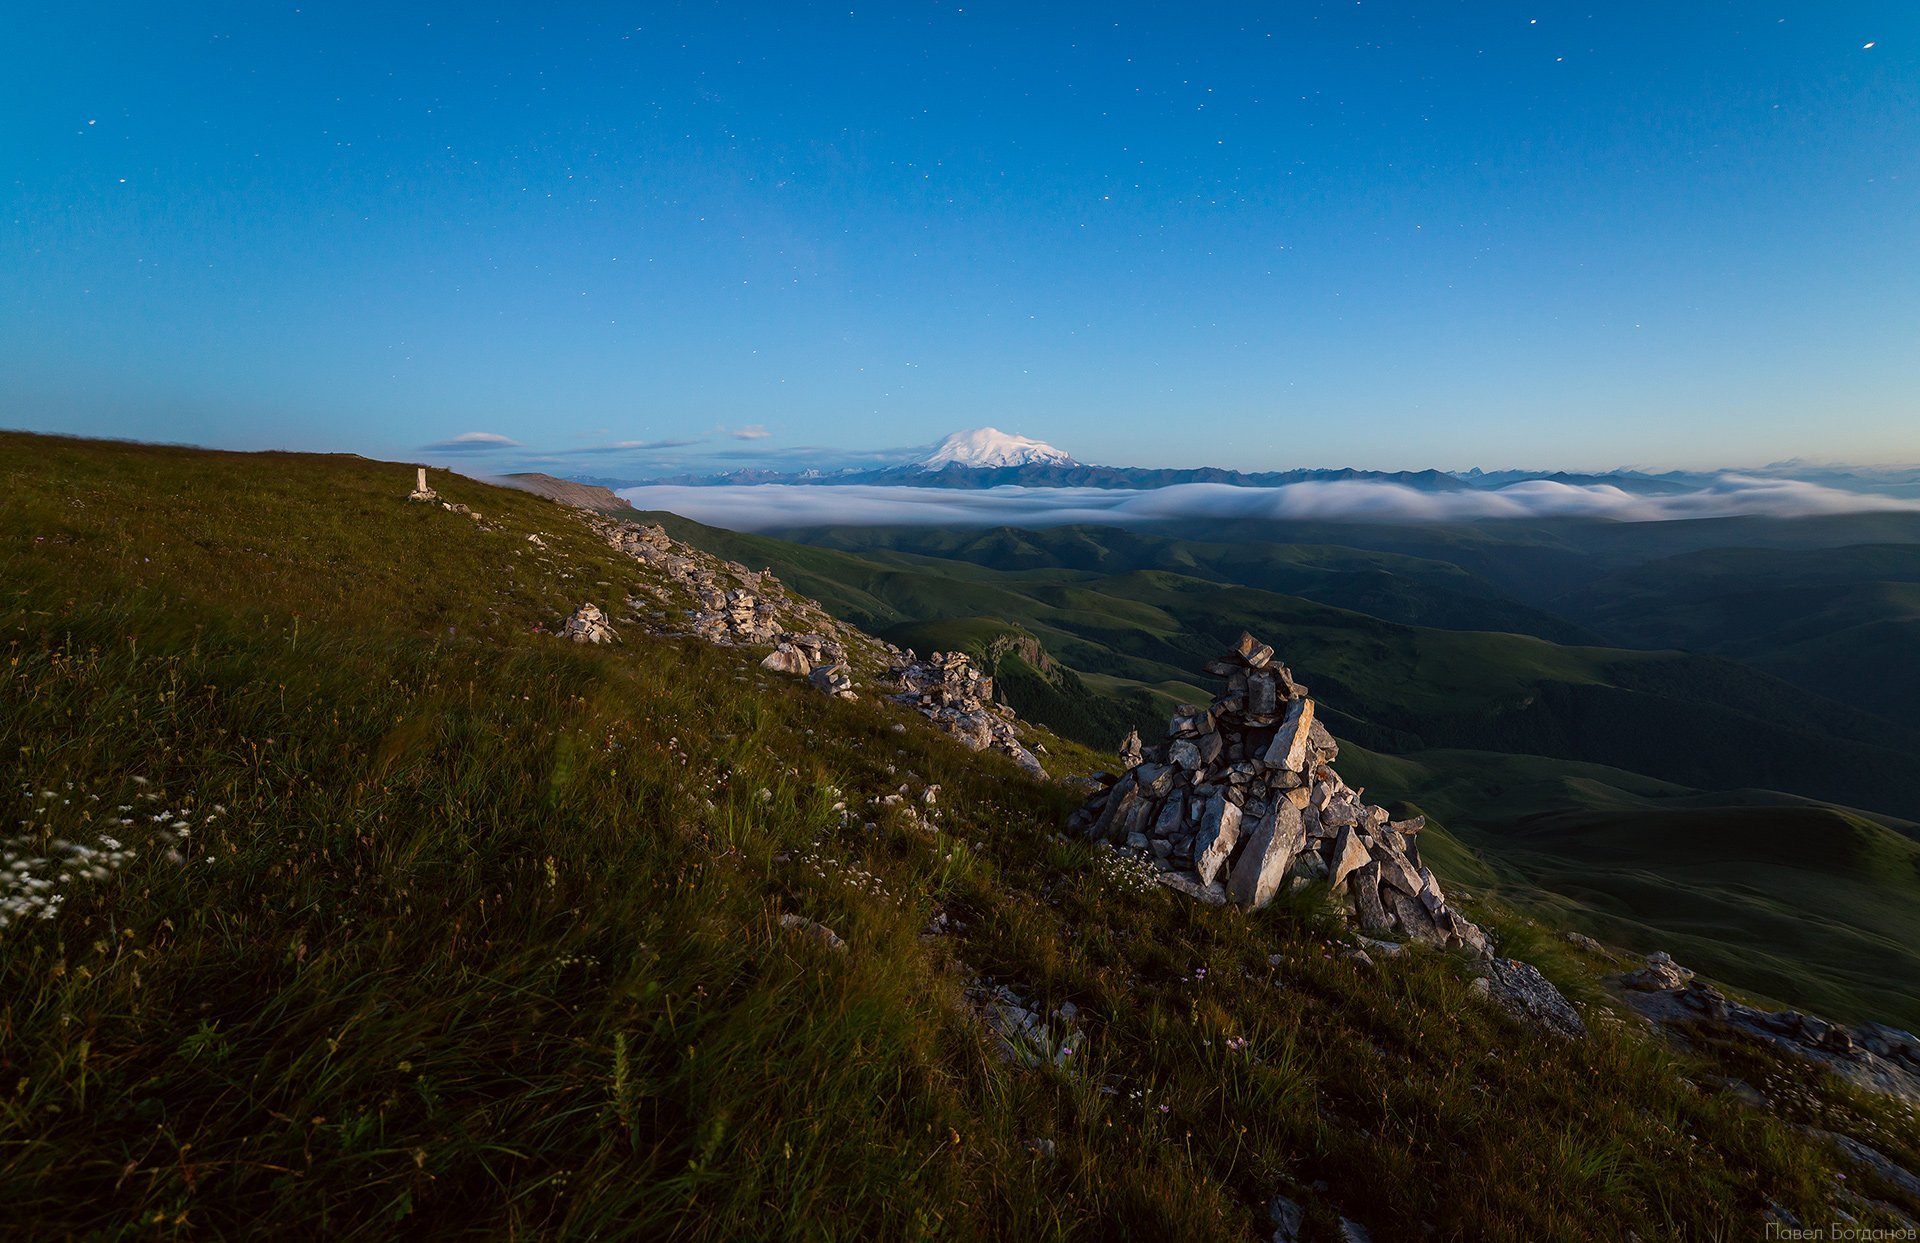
(1242,799)
(725,603)
(948,690)
(1873,1056)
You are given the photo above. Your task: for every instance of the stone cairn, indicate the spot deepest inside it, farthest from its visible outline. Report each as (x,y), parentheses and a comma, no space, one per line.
(588,624)
(948,690)
(1242,798)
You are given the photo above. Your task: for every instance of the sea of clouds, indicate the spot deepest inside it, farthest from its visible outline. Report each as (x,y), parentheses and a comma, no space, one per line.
(762,507)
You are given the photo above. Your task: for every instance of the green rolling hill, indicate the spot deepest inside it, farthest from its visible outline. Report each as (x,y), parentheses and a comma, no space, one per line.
(1659,798)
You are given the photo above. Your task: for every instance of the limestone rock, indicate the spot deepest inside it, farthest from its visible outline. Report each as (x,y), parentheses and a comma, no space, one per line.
(951,692)
(588,624)
(786,658)
(1289,750)
(1525,993)
(1660,973)
(1218,834)
(834,679)
(1363,889)
(1263,865)
(1349,854)
(1287,1219)
(1244,792)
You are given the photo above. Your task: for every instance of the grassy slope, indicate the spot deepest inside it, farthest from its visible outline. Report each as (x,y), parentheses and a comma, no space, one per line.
(1841,621)
(476,932)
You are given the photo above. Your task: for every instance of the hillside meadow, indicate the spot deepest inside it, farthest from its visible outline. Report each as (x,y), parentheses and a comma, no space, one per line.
(381,909)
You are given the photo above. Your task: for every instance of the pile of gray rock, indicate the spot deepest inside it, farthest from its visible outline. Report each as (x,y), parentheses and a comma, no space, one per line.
(955,695)
(1243,798)
(588,624)
(1873,1056)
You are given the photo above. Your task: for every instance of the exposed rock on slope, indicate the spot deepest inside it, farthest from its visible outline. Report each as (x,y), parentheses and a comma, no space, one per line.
(957,697)
(1874,1056)
(726,603)
(1243,795)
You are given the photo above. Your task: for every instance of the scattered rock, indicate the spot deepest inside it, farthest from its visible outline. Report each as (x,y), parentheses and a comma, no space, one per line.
(817,932)
(1874,1162)
(1023,1034)
(1581,941)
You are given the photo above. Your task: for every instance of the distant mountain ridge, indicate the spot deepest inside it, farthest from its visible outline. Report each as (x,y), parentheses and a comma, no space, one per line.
(985,457)
(1071,474)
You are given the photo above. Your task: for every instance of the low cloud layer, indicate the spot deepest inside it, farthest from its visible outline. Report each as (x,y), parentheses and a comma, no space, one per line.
(767,506)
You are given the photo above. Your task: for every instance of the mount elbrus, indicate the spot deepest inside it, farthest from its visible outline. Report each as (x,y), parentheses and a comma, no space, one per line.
(1243,795)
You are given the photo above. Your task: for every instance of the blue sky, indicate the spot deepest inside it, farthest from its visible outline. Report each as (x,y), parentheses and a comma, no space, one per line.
(1382,235)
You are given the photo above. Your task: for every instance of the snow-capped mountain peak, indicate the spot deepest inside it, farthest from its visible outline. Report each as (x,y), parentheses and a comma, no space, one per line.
(989,447)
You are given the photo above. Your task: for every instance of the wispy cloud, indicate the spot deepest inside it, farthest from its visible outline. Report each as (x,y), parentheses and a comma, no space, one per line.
(474,442)
(769,506)
(629,446)
(752,431)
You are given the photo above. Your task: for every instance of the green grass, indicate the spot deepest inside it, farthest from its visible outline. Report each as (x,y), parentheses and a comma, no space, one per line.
(474,933)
